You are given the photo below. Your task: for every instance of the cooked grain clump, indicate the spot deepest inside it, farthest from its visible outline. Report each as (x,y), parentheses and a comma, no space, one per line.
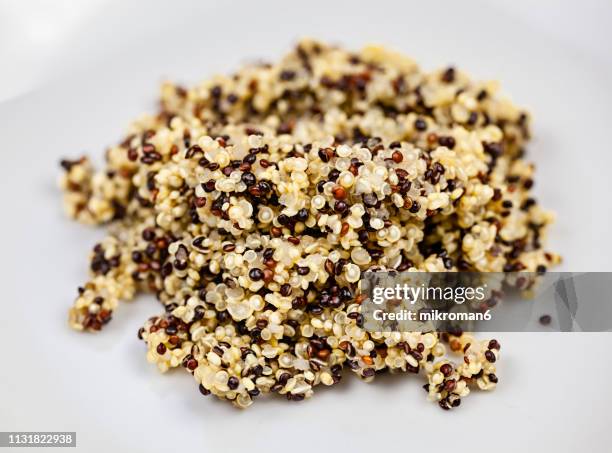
(250,205)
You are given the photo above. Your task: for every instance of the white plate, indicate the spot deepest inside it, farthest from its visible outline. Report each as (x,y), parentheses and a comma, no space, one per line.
(104,68)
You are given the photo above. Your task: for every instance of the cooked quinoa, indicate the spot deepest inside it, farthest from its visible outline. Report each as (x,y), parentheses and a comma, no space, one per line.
(251,204)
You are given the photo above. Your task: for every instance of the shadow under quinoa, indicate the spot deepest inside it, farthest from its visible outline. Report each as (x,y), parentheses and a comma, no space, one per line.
(251,204)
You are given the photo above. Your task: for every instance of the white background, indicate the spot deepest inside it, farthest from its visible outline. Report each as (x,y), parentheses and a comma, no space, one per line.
(73,74)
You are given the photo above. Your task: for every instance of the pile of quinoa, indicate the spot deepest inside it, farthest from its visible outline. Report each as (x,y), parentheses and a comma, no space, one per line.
(251,204)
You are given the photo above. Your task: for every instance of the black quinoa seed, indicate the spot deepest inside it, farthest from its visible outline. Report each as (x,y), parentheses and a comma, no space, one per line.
(545,320)
(256,274)
(420,125)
